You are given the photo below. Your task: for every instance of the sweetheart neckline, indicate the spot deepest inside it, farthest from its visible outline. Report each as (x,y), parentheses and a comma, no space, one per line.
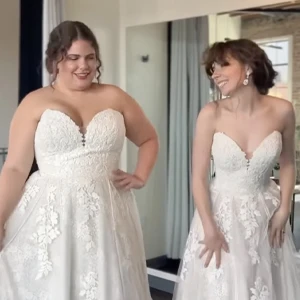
(246,155)
(83,130)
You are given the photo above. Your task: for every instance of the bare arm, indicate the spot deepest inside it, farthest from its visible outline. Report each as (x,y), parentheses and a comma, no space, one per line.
(287,159)
(19,159)
(201,163)
(140,131)
(213,239)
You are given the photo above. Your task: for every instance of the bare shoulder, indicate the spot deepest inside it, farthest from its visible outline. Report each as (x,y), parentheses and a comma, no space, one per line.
(112,91)
(206,121)
(209,111)
(113,95)
(119,99)
(284,109)
(35,103)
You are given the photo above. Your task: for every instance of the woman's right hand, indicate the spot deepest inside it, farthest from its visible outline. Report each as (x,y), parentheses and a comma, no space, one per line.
(214,242)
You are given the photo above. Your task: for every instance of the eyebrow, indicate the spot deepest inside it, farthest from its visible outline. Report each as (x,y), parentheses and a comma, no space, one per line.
(73,54)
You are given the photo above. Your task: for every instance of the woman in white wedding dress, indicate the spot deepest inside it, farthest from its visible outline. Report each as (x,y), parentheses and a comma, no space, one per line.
(72,231)
(240,245)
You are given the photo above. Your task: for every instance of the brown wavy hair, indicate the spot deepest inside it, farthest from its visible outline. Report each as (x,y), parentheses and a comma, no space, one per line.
(246,52)
(60,41)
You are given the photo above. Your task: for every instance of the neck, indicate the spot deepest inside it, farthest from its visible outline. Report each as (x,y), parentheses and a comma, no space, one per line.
(246,99)
(59,86)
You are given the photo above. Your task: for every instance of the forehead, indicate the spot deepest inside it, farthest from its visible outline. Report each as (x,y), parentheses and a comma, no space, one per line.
(81,46)
(226,60)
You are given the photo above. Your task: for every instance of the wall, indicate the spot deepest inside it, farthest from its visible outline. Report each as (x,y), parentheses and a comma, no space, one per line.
(138,12)
(282,25)
(9,62)
(103,17)
(223,26)
(148,83)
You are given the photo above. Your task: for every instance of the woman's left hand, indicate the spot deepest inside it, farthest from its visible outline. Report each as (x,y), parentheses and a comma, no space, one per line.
(277,227)
(126,181)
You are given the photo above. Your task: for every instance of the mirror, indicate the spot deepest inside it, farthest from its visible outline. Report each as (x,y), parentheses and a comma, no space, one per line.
(163,62)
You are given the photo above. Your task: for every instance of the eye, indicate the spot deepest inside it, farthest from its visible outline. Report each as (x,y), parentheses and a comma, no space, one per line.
(72,57)
(225,64)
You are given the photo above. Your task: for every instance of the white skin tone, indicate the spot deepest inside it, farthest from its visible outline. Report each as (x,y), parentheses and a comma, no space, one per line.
(75,95)
(247,117)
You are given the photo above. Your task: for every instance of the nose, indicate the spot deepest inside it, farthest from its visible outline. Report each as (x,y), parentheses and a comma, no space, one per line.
(83,63)
(215,75)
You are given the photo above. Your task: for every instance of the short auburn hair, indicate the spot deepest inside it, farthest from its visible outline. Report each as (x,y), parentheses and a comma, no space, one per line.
(246,52)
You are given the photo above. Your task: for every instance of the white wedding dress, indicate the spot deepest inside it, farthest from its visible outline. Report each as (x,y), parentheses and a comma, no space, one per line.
(74,236)
(243,199)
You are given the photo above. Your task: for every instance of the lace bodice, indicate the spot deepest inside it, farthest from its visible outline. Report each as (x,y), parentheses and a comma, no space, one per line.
(74,235)
(237,173)
(63,150)
(243,201)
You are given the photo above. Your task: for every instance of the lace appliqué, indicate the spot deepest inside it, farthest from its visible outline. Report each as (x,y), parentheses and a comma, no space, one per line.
(89,285)
(29,193)
(216,279)
(274,257)
(30,296)
(192,245)
(260,291)
(248,217)
(47,232)
(90,203)
(223,218)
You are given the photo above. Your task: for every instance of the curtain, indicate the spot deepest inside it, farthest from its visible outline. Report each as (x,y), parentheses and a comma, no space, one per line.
(35,26)
(30,77)
(30,67)
(189,91)
(52,16)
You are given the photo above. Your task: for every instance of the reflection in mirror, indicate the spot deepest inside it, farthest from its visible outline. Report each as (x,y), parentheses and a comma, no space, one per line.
(172,87)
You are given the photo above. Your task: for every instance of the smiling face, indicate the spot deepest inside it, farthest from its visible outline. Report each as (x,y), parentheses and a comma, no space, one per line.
(229,76)
(78,68)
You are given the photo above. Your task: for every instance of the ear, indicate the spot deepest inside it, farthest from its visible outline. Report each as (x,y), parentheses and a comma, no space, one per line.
(248,70)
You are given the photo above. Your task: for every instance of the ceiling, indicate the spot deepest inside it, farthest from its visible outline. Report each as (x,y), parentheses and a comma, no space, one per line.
(269,10)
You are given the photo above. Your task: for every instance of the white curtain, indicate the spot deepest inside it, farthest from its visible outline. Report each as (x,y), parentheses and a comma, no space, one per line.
(189,91)
(52,16)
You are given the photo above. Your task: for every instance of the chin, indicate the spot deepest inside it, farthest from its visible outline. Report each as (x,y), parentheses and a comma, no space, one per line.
(83,85)
(225,93)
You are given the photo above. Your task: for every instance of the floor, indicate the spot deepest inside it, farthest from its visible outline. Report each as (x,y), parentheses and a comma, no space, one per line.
(159,295)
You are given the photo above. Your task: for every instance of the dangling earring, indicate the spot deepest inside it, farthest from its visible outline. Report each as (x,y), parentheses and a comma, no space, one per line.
(246,80)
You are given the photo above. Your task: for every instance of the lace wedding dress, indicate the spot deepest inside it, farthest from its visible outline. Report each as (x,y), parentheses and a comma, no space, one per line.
(74,236)
(243,201)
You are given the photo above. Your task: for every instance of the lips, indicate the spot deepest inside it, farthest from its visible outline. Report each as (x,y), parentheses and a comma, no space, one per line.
(221,84)
(82,75)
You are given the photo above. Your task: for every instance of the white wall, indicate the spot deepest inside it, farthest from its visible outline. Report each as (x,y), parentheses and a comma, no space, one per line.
(139,12)
(9,65)
(103,17)
(148,84)
(223,26)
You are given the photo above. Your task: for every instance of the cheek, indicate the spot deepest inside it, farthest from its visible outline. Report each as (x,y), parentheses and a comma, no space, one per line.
(235,76)
(69,67)
(93,65)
